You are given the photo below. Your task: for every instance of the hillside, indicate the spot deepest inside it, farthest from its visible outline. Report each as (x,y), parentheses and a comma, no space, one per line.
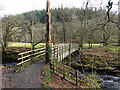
(81,22)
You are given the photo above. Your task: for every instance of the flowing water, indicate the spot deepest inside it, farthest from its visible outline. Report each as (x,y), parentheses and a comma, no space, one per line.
(11,64)
(109,82)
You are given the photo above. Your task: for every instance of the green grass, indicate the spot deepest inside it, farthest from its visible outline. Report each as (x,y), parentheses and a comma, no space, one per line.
(27,45)
(45,85)
(114,49)
(93,45)
(101,47)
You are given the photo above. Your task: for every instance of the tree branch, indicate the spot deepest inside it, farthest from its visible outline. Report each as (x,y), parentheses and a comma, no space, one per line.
(37,43)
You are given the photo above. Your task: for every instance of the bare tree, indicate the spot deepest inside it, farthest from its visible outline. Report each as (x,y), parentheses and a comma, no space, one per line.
(9,27)
(31,24)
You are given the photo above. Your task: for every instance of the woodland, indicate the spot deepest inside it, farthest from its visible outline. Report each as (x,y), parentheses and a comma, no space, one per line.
(84,25)
(95,30)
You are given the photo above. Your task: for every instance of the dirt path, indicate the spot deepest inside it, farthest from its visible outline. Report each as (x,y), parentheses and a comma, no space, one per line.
(30,77)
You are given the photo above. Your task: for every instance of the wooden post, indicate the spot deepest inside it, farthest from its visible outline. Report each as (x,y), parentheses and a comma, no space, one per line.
(76,74)
(53,66)
(32,57)
(64,73)
(65,47)
(69,60)
(119,33)
(54,53)
(22,59)
(62,52)
(48,33)
(57,52)
(69,69)
(119,24)
(40,53)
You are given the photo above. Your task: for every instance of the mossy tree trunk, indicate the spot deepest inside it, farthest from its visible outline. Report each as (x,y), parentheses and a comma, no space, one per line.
(48,33)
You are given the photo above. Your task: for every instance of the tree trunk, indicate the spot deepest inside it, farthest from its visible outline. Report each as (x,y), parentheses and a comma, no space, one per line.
(32,42)
(118,28)
(64,31)
(48,33)
(119,35)
(4,45)
(105,39)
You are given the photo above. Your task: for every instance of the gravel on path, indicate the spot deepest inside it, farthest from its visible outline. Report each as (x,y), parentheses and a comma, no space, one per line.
(30,77)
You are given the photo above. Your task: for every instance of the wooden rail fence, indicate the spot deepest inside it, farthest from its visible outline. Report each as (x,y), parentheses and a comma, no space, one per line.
(66,72)
(29,55)
(58,51)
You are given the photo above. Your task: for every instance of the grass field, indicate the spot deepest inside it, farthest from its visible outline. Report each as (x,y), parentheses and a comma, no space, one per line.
(99,46)
(27,45)
(94,45)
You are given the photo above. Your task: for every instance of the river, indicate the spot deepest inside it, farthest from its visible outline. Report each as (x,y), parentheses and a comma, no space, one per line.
(109,82)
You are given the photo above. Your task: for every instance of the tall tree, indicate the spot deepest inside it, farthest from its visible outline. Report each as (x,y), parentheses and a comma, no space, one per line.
(48,33)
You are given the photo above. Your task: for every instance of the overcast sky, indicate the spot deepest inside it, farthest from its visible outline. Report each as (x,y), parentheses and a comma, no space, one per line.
(20,6)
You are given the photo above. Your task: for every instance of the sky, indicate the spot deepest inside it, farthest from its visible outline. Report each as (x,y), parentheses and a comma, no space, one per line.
(19,6)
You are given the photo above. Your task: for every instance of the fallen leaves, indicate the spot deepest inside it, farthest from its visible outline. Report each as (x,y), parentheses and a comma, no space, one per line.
(59,82)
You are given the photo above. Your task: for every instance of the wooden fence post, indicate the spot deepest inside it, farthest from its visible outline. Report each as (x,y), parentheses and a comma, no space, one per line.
(62,52)
(65,47)
(53,66)
(76,74)
(64,73)
(57,52)
(32,57)
(54,53)
(22,59)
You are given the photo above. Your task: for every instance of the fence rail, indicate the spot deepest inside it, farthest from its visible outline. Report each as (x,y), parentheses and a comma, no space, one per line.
(66,72)
(29,55)
(59,52)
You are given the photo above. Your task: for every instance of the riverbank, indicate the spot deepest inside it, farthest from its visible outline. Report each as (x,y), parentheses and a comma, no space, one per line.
(104,64)
(96,60)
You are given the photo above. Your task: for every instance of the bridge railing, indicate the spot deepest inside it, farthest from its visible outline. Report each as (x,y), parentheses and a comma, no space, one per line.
(58,52)
(29,55)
